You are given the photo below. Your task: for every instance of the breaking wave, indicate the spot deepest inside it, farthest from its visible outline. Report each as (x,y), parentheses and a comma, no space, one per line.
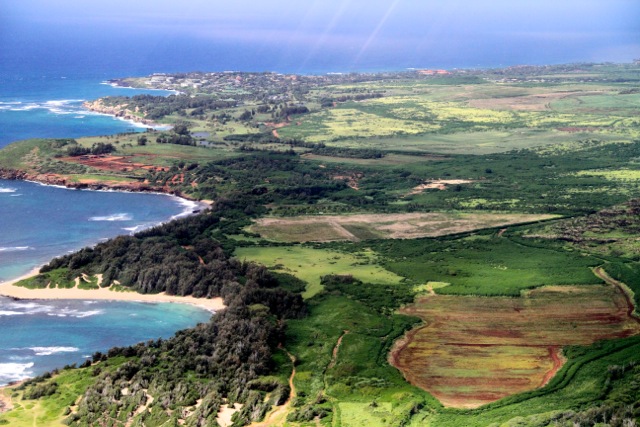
(114,217)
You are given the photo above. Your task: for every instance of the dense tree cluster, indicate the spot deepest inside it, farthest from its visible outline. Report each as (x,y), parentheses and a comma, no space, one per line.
(179,135)
(330,101)
(357,153)
(96,149)
(157,107)
(199,368)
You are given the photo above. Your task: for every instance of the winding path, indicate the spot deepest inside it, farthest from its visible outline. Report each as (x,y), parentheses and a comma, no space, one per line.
(334,356)
(558,361)
(277,416)
(622,287)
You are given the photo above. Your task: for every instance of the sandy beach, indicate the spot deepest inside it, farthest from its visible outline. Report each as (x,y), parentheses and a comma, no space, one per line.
(8,289)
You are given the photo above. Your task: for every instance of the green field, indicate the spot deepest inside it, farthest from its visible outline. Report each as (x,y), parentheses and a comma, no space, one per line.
(310,264)
(50,410)
(485,265)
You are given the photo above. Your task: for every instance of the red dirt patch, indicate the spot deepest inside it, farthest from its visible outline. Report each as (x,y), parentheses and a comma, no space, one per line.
(111,163)
(351,180)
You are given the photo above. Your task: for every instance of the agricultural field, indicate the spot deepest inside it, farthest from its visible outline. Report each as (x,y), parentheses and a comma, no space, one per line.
(488,117)
(382,226)
(473,350)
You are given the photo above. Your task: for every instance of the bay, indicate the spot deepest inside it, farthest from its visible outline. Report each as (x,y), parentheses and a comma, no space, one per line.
(39,336)
(39,222)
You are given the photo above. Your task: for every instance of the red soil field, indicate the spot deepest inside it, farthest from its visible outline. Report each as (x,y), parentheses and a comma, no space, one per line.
(475,350)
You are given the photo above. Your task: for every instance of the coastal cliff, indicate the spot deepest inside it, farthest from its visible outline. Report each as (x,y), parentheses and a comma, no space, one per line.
(119,110)
(55,179)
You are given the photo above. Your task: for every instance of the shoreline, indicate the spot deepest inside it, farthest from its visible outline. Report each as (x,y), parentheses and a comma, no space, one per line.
(117,111)
(191,207)
(52,180)
(8,289)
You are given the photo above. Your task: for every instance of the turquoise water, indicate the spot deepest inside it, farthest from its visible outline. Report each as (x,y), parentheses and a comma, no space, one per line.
(38,336)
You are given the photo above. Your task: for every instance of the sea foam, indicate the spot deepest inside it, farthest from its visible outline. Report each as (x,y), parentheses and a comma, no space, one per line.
(16,249)
(57,106)
(15,371)
(78,314)
(47,351)
(114,217)
(10,313)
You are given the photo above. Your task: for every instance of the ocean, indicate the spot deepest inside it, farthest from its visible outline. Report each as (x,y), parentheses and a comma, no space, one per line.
(51,107)
(39,336)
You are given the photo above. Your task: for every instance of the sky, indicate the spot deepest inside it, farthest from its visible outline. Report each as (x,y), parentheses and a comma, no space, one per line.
(355,33)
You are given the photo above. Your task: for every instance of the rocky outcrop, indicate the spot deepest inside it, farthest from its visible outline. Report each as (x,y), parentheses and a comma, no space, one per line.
(120,110)
(54,179)
(12,174)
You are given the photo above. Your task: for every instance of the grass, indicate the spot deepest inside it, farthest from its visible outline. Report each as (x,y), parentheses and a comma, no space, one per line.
(388,160)
(98,178)
(469,141)
(624,175)
(342,123)
(48,411)
(309,264)
(610,103)
(22,154)
(357,383)
(485,265)
(57,277)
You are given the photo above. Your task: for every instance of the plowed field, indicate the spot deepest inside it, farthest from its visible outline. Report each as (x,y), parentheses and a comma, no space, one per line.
(475,350)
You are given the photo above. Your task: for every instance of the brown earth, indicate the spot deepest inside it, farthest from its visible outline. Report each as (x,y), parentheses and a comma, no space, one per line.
(538,102)
(391,226)
(475,350)
(112,163)
(351,180)
(438,184)
(334,354)
(278,415)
